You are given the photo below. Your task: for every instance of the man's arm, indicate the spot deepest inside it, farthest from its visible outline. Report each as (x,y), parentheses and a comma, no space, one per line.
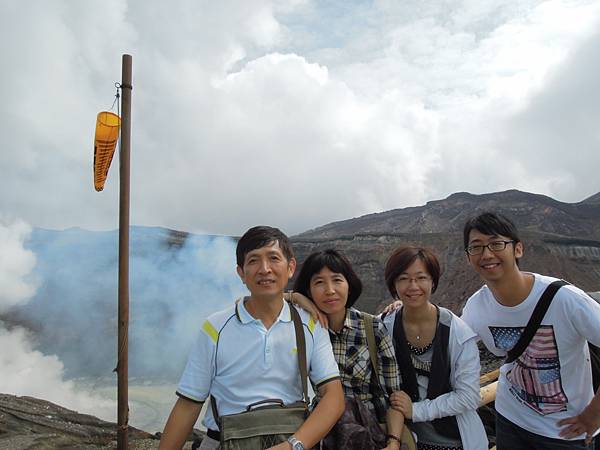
(322,419)
(179,425)
(585,314)
(587,422)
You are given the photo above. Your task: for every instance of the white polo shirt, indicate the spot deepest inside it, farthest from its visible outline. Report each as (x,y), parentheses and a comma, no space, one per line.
(239,361)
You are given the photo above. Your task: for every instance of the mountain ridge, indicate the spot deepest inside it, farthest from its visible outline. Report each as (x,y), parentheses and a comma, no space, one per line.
(449,214)
(561,239)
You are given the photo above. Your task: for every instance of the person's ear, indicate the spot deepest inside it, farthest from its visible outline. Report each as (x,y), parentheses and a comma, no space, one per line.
(291,267)
(240,273)
(519,250)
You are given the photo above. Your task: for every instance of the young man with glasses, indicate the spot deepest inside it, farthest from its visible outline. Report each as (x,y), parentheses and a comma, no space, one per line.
(545,398)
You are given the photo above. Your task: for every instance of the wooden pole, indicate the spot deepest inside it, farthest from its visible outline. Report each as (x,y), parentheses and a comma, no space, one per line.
(490,376)
(123,363)
(487,393)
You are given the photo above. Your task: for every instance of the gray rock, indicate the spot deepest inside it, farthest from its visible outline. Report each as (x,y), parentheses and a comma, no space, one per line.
(27,423)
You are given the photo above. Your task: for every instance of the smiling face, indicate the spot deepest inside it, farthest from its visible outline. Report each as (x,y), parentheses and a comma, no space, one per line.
(266,271)
(414,285)
(493,266)
(329,291)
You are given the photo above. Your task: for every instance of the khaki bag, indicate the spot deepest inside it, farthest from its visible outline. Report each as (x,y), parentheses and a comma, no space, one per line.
(268,422)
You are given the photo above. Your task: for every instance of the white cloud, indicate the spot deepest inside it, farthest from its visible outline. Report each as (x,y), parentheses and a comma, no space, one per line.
(289,113)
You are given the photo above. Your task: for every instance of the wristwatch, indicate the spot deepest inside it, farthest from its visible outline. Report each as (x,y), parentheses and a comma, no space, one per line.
(295,443)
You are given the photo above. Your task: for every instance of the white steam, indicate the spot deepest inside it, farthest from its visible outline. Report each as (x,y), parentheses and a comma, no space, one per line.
(16,264)
(25,370)
(176,280)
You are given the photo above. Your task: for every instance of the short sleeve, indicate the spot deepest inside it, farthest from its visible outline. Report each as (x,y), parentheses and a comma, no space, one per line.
(469,317)
(196,378)
(584,313)
(323,367)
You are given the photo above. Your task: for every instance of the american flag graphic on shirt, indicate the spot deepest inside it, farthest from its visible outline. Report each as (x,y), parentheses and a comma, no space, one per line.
(534,378)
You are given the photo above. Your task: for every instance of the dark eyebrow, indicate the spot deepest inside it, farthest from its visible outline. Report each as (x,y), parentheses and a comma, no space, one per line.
(493,236)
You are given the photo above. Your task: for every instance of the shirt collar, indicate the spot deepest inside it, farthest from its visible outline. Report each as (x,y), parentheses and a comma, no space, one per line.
(245,317)
(350,321)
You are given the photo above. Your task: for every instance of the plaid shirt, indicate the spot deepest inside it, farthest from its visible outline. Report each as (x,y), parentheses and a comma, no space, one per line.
(352,355)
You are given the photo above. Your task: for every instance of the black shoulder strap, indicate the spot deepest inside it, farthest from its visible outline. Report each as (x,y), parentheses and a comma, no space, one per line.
(535,320)
(595,362)
(215,411)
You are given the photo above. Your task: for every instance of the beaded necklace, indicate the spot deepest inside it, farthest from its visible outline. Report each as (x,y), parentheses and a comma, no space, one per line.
(419,350)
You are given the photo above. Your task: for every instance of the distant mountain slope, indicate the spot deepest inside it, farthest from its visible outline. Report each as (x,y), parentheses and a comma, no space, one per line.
(593,199)
(532,212)
(561,239)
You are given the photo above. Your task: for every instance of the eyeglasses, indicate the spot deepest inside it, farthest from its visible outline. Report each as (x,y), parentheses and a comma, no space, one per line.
(496,246)
(420,280)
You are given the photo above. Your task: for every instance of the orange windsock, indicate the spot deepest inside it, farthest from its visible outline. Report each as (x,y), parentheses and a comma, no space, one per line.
(105,141)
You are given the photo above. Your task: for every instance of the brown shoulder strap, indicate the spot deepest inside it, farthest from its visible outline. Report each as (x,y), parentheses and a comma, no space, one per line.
(370,333)
(371,344)
(301,347)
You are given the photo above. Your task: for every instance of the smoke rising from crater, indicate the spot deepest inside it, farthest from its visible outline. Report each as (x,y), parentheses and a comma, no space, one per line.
(175,281)
(25,370)
(58,308)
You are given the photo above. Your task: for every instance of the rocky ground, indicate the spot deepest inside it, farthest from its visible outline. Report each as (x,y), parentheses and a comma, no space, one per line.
(27,423)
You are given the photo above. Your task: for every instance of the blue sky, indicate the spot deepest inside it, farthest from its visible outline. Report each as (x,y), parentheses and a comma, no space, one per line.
(296,113)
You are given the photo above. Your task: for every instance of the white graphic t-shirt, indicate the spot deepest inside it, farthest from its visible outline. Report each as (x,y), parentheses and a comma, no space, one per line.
(552,379)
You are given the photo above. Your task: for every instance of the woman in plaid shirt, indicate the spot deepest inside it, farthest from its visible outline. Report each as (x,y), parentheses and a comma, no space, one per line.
(327,278)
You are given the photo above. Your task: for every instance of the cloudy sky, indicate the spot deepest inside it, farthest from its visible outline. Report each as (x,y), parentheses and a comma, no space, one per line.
(296,113)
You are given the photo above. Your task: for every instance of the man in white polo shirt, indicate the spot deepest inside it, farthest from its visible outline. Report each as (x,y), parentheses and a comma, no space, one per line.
(256,354)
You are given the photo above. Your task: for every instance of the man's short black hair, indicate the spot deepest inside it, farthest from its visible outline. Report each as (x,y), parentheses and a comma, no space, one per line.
(260,236)
(337,263)
(491,224)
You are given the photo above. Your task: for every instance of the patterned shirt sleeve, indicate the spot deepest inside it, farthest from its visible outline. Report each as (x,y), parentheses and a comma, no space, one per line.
(389,376)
